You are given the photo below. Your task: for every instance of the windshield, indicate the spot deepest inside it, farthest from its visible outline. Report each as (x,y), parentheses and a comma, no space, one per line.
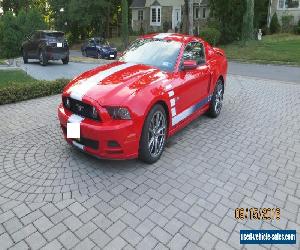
(55,34)
(158,53)
(101,41)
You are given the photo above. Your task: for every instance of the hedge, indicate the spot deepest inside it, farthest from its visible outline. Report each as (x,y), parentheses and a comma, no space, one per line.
(210,35)
(16,92)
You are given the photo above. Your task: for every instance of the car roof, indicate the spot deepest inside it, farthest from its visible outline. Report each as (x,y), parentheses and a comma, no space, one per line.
(49,31)
(172,36)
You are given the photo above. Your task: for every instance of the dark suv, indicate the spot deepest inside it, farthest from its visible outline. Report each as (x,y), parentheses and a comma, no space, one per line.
(46,45)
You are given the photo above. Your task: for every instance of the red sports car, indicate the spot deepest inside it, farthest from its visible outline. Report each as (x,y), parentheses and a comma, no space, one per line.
(128,109)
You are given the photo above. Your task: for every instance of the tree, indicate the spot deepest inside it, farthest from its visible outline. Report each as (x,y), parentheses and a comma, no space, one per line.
(190,17)
(229,14)
(274,25)
(13,30)
(125,22)
(247,30)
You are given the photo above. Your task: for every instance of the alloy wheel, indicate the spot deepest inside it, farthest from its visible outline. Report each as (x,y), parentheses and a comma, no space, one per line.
(157,134)
(219,99)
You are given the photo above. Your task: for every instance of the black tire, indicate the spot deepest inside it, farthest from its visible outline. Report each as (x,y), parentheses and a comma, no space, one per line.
(65,60)
(43,58)
(216,100)
(25,57)
(146,153)
(84,53)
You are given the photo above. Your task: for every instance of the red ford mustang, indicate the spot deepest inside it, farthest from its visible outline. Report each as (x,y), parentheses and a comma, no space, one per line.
(128,109)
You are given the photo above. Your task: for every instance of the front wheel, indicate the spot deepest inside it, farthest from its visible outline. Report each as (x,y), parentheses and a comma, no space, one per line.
(65,60)
(217,100)
(154,134)
(99,56)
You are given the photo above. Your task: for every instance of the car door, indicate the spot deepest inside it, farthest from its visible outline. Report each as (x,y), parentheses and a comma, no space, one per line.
(193,84)
(91,48)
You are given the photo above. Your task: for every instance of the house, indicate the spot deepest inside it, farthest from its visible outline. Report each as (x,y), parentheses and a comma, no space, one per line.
(163,15)
(284,8)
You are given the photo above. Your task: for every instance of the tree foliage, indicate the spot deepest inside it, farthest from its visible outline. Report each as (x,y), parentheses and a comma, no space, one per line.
(229,14)
(14,28)
(274,25)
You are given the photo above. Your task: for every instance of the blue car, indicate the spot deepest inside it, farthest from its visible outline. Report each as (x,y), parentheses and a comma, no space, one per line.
(99,48)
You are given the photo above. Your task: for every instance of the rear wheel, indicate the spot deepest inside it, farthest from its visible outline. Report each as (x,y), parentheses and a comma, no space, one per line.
(65,60)
(25,57)
(43,58)
(217,100)
(154,135)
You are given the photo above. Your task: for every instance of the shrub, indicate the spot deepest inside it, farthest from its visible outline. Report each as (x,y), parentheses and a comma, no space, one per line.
(274,25)
(287,23)
(13,30)
(297,28)
(16,92)
(211,35)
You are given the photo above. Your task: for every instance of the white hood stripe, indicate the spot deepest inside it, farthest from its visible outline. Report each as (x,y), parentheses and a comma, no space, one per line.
(162,35)
(80,89)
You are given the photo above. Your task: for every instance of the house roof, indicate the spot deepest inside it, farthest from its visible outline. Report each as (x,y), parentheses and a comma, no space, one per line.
(138,4)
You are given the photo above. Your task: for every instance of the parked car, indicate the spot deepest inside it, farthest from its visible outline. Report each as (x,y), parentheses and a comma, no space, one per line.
(129,108)
(45,45)
(99,48)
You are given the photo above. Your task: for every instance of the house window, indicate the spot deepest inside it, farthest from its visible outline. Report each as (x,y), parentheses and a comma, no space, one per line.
(204,13)
(140,15)
(196,12)
(155,16)
(288,4)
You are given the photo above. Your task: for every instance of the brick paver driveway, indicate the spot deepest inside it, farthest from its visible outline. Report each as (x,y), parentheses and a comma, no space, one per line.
(53,196)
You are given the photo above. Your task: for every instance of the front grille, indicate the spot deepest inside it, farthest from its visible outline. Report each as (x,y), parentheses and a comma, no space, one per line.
(80,108)
(88,143)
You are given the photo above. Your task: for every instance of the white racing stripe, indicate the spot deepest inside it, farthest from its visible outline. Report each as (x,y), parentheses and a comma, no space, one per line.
(172,101)
(171,93)
(162,35)
(80,89)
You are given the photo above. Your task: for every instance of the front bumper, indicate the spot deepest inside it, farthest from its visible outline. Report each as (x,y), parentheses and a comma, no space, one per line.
(108,54)
(108,140)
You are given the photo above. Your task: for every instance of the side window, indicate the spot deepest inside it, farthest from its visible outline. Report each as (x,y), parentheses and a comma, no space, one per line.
(91,43)
(194,51)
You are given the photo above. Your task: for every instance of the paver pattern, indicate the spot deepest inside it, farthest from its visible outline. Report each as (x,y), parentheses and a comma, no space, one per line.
(53,196)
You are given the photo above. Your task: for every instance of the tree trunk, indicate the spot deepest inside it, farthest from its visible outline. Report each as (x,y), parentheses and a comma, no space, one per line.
(190,15)
(125,23)
(248,31)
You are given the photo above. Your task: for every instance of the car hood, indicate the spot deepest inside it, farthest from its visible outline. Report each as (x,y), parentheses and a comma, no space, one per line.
(114,83)
(106,48)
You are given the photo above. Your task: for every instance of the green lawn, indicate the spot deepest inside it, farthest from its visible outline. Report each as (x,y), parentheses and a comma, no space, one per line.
(2,61)
(8,77)
(277,49)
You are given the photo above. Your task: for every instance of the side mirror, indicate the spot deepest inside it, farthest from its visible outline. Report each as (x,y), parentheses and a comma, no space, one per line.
(189,64)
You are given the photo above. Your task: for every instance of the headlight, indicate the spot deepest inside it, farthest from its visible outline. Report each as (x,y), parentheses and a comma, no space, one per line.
(66,102)
(118,113)
(95,113)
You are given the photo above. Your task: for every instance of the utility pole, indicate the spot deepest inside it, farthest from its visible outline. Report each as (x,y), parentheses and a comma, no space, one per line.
(190,17)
